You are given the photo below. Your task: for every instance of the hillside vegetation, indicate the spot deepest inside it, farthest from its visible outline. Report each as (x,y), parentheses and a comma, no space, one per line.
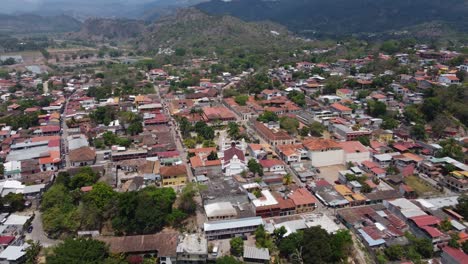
(191,31)
(335,17)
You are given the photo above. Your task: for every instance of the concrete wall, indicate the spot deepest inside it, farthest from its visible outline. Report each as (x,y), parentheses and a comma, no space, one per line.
(326,158)
(356,157)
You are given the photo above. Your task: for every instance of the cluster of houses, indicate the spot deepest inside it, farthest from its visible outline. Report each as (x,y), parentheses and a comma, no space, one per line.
(356,167)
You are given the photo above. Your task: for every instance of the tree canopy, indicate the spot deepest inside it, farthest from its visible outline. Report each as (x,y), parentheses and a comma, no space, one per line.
(79,250)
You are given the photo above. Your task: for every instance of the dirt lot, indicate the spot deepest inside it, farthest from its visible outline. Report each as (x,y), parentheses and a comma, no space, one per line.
(330,173)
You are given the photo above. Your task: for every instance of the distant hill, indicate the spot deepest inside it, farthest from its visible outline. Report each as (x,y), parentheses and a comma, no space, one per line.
(83,9)
(29,23)
(192,29)
(338,17)
(112,29)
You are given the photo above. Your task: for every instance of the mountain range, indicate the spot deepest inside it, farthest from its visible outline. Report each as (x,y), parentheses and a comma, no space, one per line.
(190,29)
(83,9)
(337,17)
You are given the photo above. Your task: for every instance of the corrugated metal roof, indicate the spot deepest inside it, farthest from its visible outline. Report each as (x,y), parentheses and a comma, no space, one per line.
(256,253)
(236,223)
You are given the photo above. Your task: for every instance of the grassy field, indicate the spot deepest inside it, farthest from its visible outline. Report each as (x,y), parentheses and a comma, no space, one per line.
(420,186)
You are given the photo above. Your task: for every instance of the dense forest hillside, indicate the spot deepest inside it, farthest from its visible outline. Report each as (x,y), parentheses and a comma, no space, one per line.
(335,17)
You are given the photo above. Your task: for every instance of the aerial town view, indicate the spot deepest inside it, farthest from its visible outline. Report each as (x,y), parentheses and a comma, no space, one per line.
(233,131)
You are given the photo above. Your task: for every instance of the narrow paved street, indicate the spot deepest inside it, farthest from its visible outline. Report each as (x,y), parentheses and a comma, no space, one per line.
(65,149)
(38,233)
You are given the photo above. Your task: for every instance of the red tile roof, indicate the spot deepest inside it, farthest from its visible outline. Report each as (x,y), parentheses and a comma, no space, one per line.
(219,112)
(340,107)
(432,231)
(270,163)
(82,154)
(229,154)
(320,144)
(6,240)
(302,197)
(173,170)
(369,164)
(378,170)
(345,91)
(456,254)
(425,220)
(353,147)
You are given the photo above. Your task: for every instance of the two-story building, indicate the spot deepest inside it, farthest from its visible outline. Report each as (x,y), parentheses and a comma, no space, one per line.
(173,175)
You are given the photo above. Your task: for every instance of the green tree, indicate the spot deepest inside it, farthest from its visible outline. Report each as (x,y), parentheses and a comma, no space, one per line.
(79,250)
(453,242)
(212,156)
(389,123)
(233,130)
(12,202)
(228,260)
(304,131)
(135,128)
(462,206)
(102,195)
(186,200)
(465,247)
(289,124)
(278,234)
(32,252)
(255,167)
(81,180)
(451,148)
(133,215)
(241,99)
(341,243)
(268,116)
(2,170)
(237,246)
(103,115)
(262,238)
(431,107)
(317,246)
(190,143)
(377,108)
(204,130)
(287,179)
(418,132)
(394,252)
(445,225)
(297,97)
(364,140)
(390,46)
(290,243)
(316,129)
(180,52)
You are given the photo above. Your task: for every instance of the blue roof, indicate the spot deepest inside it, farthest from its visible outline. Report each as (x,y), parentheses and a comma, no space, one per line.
(372,242)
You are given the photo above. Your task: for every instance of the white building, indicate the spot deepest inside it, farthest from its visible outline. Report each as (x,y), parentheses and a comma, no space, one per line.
(12,170)
(449,79)
(220,211)
(324,152)
(233,161)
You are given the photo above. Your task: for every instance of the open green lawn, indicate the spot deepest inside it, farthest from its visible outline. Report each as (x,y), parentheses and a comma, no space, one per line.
(420,186)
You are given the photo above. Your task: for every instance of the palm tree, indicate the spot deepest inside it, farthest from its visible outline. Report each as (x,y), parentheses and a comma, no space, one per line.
(287,179)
